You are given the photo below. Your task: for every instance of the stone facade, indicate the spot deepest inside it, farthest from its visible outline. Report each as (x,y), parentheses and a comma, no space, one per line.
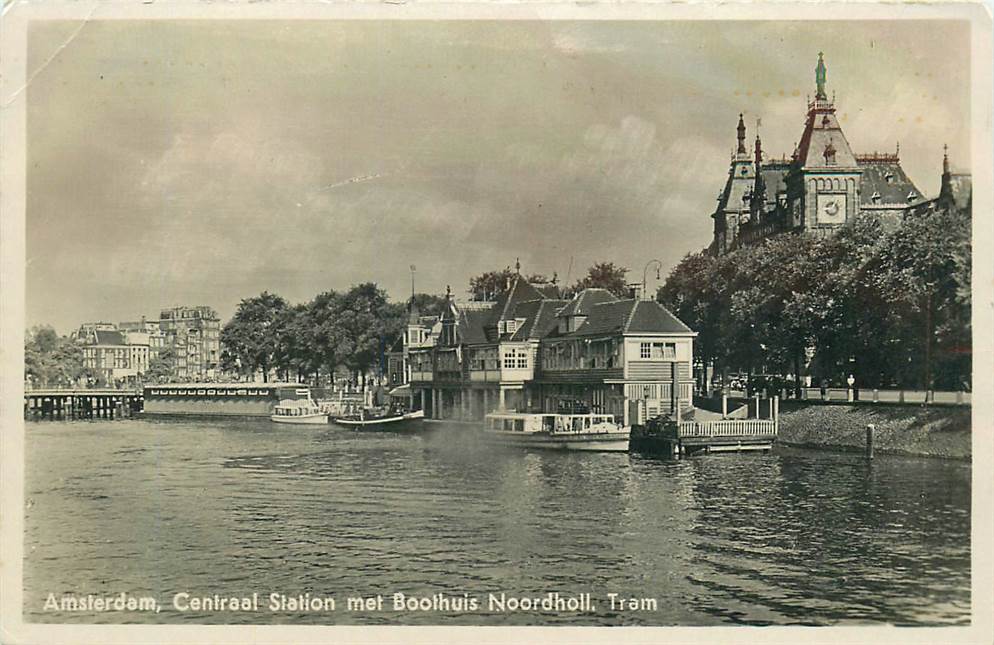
(821,187)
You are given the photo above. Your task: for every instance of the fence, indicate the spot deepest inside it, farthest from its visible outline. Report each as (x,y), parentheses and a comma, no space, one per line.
(841,395)
(728,428)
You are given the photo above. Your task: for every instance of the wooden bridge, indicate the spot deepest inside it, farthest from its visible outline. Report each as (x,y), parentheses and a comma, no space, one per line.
(81,403)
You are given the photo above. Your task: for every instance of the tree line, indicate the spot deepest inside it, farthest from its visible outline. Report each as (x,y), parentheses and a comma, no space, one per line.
(890,307)
(351,330)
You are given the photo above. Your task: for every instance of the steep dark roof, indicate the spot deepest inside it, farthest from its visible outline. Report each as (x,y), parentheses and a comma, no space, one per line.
(540,318)
(630,316)
(109,337)
(472,323)
(520,291)
(774,176)
(650,316)
(874,182)
(581,303)
(548,290)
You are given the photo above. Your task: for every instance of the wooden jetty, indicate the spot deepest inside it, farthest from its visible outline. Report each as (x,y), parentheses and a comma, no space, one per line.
(678,438)
(81,404)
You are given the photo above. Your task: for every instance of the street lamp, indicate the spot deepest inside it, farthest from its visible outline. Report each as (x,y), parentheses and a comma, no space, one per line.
(659,267)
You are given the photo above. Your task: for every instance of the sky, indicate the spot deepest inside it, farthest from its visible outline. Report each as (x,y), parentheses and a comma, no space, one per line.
(196,162)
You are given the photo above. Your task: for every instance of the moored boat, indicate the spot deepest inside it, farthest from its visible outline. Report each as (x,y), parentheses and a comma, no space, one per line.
(298,414)
(589,432)
(298,408)
(382,419)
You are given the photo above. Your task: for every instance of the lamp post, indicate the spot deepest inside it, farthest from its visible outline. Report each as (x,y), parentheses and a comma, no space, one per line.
(659,267)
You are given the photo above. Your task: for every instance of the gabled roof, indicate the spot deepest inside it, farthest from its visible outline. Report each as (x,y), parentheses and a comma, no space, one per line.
(651,317)
(875,182)
(630,317)
(581,303)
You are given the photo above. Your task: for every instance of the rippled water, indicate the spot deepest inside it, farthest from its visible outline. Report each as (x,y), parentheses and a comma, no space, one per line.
(241,506)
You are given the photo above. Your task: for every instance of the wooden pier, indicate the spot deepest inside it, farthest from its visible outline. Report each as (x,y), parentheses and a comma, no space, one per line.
(678,438)
(57,404)
(728,435)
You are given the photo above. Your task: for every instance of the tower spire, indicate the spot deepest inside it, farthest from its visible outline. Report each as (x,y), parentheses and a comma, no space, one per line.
(945,159)
(742,136)
(820,78)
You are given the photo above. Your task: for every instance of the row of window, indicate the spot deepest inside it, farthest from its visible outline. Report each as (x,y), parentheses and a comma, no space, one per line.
(569,355)
(661,351)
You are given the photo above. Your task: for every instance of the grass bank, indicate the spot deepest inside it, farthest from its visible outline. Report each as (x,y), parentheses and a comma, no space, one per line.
(900,429)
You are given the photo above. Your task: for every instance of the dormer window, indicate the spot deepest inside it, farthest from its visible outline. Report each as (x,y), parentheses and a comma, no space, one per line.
(511,326)
(889,177)
(744,171)
(912,196)
(875,197)
(825,122)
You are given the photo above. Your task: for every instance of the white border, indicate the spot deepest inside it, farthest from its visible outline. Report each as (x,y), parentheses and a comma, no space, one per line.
(12,234)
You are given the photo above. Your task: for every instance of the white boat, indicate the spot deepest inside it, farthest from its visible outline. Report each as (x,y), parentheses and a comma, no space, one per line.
(381,420)
(593,432)
(298,411)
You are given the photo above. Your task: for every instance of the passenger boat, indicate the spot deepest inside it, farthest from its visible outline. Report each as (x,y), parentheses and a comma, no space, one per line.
(383,418)
(296,406)
(592,432)
(299,412)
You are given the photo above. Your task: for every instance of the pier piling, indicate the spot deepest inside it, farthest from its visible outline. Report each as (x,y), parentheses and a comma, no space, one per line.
(869,440)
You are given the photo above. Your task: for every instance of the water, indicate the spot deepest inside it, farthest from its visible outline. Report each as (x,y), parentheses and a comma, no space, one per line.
(241,506)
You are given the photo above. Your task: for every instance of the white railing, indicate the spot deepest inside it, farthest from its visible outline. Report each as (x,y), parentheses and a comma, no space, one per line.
(728,428)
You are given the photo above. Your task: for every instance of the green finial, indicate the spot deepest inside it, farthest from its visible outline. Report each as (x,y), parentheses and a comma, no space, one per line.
(820,77)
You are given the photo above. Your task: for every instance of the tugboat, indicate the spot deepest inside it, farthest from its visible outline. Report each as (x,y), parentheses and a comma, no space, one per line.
(386,417)
(589,432)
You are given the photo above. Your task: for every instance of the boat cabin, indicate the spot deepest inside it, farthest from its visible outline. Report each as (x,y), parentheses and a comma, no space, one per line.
(551,423)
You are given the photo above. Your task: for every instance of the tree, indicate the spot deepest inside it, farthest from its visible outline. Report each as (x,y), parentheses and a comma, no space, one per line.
(163,366)
(429,304)
(367,321)
(605,275)
(251,339)
(50,359)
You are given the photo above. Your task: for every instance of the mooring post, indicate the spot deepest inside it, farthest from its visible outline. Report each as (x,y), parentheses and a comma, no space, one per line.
(757,407)
(869,440)
(724,405)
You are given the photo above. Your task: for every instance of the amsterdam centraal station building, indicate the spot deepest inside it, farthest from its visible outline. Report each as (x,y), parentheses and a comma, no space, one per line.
(821,186)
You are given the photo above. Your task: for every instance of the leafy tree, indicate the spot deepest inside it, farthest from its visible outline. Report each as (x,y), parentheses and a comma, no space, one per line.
(163,366)
(251,339)
(366,322)
(605,275)
(429,304)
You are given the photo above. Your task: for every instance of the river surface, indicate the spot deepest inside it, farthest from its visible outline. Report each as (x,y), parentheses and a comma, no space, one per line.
(236,507)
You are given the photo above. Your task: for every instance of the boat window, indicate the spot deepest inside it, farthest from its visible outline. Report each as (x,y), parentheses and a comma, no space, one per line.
(577,424)
(251,392)
(548,423)
(211,392)
(241,391)
(519,425)
(586,422)
(201,392)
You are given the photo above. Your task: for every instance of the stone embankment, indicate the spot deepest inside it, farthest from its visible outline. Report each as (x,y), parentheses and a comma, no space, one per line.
(899,429)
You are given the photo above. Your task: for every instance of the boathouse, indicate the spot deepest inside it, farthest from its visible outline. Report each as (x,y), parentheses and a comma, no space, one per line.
(533,351)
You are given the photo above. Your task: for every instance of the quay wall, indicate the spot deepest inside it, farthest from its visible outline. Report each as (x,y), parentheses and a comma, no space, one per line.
(935,431)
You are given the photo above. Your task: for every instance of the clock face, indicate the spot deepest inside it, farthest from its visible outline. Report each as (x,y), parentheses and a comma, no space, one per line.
(831,209)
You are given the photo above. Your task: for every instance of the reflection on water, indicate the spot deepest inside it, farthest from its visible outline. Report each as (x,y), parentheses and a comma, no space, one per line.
(242,506)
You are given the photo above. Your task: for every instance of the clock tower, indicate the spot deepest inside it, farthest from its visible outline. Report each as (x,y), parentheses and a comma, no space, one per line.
(823,183)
